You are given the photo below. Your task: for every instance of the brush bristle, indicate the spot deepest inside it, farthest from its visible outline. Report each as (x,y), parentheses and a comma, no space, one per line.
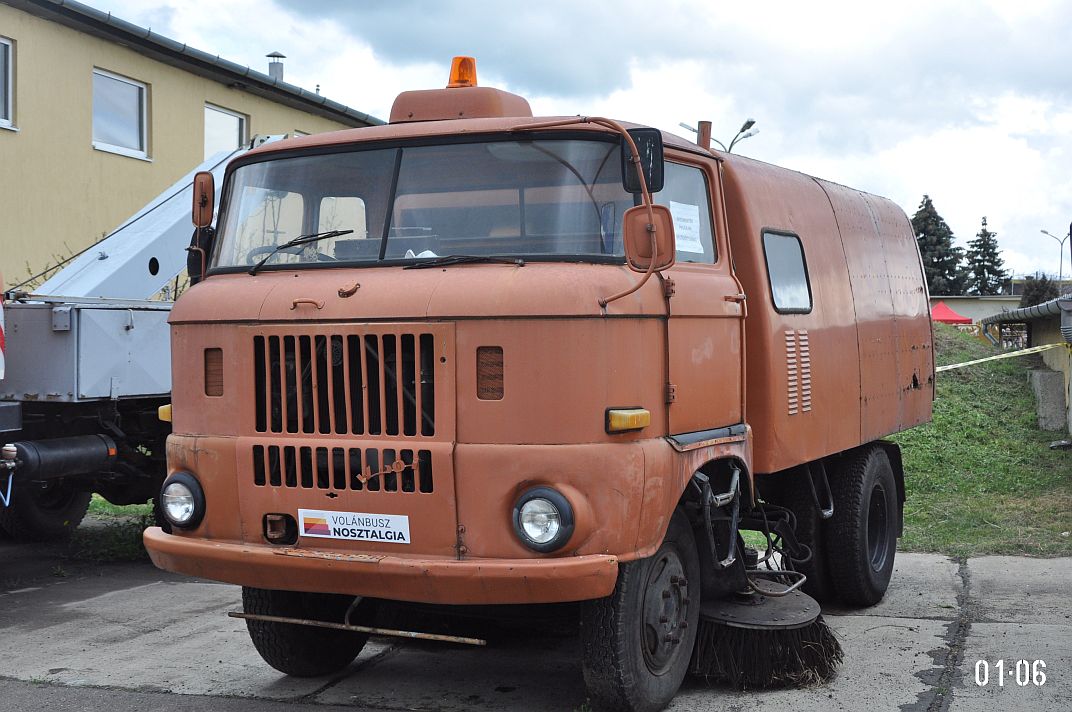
(757,659)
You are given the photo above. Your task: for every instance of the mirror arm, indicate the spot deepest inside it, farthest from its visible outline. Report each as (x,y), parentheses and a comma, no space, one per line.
(197,248)
(644,193)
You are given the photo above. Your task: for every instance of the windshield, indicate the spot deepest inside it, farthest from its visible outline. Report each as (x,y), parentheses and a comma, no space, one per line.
(530,198)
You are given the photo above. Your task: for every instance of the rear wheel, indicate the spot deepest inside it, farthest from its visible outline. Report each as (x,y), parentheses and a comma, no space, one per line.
(637,642)
(302,650)
(861,537)
(47,512)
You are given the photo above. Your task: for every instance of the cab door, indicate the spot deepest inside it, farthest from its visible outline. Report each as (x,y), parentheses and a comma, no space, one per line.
(705,327)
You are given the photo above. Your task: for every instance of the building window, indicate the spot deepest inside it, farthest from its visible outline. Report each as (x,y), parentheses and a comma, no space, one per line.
(685,193)
(224,130)
(119,115)
(7,82)
(788,273)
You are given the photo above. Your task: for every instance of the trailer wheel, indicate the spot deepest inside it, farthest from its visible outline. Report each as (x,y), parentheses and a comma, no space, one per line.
(637,642)
(861,537)
(47,513)
(301,650)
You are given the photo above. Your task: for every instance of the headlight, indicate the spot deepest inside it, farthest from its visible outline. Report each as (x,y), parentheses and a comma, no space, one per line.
(543,519)
(182,500)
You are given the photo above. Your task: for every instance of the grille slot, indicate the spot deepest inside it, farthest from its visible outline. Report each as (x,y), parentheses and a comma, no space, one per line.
(371,384)
(368,469)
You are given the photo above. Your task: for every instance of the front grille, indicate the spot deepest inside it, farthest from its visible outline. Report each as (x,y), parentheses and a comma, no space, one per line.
(337,468)
(361,384)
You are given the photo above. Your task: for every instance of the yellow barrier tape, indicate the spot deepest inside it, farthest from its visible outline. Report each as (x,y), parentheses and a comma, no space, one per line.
(1010,354)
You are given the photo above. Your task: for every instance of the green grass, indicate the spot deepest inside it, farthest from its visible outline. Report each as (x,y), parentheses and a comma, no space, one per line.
(981,478)
(101,508)
(119,539)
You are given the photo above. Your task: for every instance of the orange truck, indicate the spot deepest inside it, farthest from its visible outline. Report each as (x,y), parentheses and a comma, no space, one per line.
(475,357)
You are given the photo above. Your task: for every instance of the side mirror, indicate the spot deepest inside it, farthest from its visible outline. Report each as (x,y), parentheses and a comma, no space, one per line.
(637,238)
(204,199)
(649,143)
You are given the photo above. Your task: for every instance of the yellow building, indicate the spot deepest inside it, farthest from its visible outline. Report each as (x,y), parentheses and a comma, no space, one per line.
(98,117)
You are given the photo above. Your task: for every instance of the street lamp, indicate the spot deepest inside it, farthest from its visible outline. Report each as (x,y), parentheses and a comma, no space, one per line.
(746,131)
(1061,268)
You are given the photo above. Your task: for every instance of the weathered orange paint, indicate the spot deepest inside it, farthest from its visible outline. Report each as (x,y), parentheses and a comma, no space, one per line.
(708,330)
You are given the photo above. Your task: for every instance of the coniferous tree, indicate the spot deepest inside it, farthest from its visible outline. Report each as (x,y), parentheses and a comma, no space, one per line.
(941,259)
(985,269)
(1038,290)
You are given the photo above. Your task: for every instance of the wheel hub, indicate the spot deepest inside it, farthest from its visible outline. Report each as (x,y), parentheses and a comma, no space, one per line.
(877,535)
(666,606)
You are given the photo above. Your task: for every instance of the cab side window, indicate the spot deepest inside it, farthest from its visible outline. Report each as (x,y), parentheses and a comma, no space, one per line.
(788,273)
(685,192)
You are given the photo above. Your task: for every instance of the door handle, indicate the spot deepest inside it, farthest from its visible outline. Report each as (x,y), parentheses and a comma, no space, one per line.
(735,297)
(306,300)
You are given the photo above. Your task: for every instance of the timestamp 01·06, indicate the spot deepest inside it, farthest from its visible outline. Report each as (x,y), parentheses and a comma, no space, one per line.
(1024,672)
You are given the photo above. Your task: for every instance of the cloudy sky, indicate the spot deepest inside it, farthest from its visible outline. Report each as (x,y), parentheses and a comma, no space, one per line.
(969,101)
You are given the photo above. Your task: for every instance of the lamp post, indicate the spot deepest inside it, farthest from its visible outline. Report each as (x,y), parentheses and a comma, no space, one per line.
(746,131)
(1061,268)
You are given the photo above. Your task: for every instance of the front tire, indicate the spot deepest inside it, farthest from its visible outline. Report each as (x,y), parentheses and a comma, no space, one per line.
(637,642)
(301,650)
(861,537)
(44,513)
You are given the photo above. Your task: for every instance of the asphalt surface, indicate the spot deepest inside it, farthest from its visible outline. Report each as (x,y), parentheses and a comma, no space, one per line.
(78,635)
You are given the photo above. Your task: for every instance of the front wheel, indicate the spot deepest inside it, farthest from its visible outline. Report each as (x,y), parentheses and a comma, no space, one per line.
(637,642)
(301,650)
(861,537)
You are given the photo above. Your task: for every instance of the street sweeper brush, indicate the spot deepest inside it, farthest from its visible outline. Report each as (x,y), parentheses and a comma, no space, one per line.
(767,636)
(757,629)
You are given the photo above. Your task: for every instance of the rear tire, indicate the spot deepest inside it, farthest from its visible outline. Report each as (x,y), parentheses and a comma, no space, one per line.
(630,662)
(861,537)
(44,513)
(301,650)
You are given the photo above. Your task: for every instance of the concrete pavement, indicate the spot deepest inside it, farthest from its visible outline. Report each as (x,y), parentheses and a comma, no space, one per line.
(75,635)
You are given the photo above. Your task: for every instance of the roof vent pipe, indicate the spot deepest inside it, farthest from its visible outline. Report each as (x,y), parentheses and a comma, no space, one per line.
(275,66)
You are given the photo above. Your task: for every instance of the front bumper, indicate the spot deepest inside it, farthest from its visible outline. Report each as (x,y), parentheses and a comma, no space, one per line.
(422,580)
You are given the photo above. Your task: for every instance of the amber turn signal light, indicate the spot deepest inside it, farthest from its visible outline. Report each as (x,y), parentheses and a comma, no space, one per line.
(621,420)
(462,72)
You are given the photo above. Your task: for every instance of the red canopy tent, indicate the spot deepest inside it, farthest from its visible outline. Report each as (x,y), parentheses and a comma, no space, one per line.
(940,312)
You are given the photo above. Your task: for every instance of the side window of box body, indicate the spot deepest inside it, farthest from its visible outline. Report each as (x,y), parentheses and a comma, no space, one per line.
(787,272)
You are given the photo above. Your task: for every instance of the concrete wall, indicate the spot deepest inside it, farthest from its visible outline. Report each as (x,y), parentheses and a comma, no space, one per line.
(1047,331)
(975,308)
(57,193)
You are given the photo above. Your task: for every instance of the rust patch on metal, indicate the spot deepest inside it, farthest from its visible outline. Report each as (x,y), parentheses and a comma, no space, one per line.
(329,556)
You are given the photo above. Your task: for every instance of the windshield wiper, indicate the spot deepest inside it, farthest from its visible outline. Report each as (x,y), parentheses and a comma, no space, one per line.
(464,259)
(299,240)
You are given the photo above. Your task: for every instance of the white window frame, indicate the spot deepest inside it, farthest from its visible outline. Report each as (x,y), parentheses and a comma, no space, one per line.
(243,118)
(9,99)
(123,150)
